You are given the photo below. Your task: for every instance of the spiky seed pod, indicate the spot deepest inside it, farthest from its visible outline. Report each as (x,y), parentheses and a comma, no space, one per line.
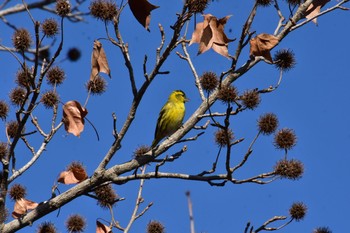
(298,211)
(155,227)
(264,3)
(50,99)
(98,86)
(75,165)
(106,196)
(250,99)
(322,230)
(285,139)
(55,76)
(284,59)
(23,77)
(46,227)
(17,96)
(103,9)
(223,137)
(21,39)
(209,81)
(75,223)
(197,6)
(3,150)
(227,94)
(268,123)
(141,150)
(289,169)
(11,128)
(17,192)
(4,110)
(50,27)
(294,2)
(62,7)
(73,54)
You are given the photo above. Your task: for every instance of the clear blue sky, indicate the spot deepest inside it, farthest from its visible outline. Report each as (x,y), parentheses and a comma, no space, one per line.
(312,99)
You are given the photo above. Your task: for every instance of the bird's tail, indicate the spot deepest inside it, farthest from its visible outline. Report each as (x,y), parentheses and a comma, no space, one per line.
(154,143)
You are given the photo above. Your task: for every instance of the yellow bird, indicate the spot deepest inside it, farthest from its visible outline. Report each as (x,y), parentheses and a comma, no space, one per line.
(170,116)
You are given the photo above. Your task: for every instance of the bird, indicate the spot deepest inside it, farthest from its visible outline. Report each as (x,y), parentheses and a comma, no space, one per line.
(170,116)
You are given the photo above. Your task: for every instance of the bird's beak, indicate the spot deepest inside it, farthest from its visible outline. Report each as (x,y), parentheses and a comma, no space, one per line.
(186,100)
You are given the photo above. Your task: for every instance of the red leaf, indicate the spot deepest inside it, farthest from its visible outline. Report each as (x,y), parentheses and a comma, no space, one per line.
(73,117)
(142,11)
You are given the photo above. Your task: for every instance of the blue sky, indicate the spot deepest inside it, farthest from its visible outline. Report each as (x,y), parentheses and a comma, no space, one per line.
(312,99)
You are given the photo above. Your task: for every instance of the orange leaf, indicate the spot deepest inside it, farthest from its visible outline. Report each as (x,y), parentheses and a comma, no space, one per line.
(210,34)
(99,61)
(141,9)
(73,117)
(101,228)
(22,206)
(262,44)
(73,175)
(314,9)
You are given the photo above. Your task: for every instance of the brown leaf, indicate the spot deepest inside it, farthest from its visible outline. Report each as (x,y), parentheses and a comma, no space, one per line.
(72,176)
(210,34)
(262,44)
(99,61)
(314,9)
(73,117)
(101,228)
(141,9)
(22,206)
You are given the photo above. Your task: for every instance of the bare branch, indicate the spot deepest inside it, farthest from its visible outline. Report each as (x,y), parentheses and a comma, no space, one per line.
(335,7)
(139,200)
(189,202)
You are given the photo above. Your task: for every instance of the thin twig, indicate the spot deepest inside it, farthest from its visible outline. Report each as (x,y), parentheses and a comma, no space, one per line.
(162,40)
(273,88)
(139,200)
(190,210)
(247,154)
(187,57)
(271,220)
(280,22)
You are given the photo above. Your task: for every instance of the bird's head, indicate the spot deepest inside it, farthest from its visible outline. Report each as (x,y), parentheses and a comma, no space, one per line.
(178,96)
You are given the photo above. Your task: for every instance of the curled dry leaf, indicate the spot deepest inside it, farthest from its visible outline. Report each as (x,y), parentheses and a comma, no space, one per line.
(262,44)
(101,228)
(210,34)
(141,9)
(73,175)
(314,9)
(73,117)
(99,61)
(22,206)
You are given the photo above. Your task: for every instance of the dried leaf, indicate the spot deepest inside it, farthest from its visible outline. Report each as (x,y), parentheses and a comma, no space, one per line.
(210,34)
(73,117)
(220,40)
(99,61)
(142,11)
(101,228)
(22,206)
(315,8)
(262,44)
(72,176)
